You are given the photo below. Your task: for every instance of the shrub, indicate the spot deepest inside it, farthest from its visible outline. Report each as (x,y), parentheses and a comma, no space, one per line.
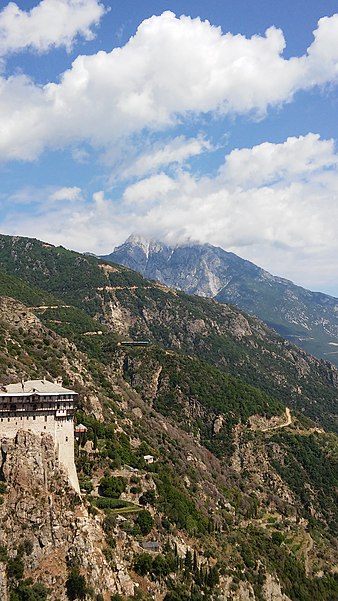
(145,521)
(25,548)
(3,553)
(27,591)
(76,585)
(111,486)
(148,498)
(86,485)
(143,564)
(109,522)
(15,568)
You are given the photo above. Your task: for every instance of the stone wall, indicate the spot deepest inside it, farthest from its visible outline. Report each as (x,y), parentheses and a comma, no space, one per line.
(64,442)
(62,431)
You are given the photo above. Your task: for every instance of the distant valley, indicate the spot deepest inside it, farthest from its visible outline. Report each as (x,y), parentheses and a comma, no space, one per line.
(309,319)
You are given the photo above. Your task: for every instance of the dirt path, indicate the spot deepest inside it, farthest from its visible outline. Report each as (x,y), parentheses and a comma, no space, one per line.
(289,418)
(288,422)
(44,307)
(309,544)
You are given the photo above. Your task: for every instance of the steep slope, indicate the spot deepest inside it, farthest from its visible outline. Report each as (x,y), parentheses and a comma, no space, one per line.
(310,319)
(240,500)
(45,529)
(130,306)
(15,287)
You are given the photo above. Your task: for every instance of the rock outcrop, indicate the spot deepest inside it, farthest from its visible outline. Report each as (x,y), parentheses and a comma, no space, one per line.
(42,510)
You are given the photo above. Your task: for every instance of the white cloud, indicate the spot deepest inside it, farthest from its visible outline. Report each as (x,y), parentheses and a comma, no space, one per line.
(52,23)
(80,155)
(149,190)
(71,194)
(272,163)
(177,151)
(286,224)
(172,68)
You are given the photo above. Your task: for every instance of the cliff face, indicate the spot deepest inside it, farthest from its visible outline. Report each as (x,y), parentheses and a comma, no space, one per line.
(42,511)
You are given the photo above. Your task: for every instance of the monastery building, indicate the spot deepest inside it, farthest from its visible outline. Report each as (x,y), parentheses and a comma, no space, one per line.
(42,407)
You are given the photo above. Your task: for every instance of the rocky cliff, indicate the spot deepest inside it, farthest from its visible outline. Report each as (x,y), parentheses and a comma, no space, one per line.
(45,526)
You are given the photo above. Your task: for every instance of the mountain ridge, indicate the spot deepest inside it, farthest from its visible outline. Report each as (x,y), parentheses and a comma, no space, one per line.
(241,496)
(126,305)
(309,318)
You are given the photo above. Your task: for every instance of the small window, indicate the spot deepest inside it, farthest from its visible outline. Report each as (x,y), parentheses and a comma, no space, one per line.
(66,438)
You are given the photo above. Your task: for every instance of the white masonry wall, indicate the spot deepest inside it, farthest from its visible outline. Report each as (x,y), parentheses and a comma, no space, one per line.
(64,442)
(61,430)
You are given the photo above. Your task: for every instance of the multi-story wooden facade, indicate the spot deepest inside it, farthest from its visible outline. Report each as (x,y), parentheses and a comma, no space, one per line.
(42,407)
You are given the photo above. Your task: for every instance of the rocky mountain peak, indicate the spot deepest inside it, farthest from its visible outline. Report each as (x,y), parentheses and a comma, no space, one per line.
(310,319)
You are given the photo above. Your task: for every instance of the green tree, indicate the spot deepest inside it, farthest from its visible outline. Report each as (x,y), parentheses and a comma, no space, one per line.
(27,591)
(195,562)
(148,498)
(143,564)
(111,486)
(188,561)
(212,578)
(161,567)
(15,568)
(76,585)
(145,521)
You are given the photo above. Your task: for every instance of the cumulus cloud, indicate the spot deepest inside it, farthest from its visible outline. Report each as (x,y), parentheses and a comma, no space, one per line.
(150,189)
(267,164)
(50,24)
(171,69)
(285,221)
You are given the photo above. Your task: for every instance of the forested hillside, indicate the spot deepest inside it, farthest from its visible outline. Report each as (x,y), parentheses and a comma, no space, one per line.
(129,306)
(241,498)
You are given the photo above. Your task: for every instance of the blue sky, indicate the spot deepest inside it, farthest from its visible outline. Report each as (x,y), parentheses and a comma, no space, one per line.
(179,120)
